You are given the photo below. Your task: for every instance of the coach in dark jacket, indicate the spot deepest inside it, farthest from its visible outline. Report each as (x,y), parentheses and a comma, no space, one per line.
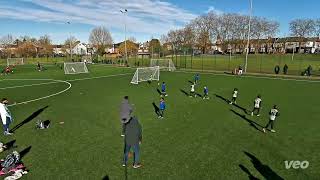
(133,138)
(125,113)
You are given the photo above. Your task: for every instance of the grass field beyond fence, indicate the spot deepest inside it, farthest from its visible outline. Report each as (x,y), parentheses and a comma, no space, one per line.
(257,63)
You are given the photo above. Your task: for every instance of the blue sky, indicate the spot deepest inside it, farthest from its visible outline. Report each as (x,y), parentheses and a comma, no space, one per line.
(145,18)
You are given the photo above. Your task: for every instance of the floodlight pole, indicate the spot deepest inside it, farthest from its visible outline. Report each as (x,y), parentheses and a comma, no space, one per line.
(248,42)
(125,33)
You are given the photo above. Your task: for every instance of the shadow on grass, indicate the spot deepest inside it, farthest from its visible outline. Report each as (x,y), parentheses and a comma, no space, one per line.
(184,92)
(10,144)
(263,169)
(191,82)
(106,177)
(159,92)
(224,99)
(252,123)
(30,118)
(235,105)
(250,176)
(199,95)
(25,152)
(156,109)
(126,173)
(229,73)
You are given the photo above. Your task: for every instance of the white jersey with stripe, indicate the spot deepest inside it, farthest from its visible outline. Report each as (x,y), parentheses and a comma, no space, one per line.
(4,113)
(192,88)
(257,102)
(273,114)
(235,94)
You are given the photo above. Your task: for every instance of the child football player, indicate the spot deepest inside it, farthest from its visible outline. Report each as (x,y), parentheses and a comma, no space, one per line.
(196,78)
(192,91)
(205,93)
(163,89)
(274,112)
(162,108)
(257,106)
(234,96)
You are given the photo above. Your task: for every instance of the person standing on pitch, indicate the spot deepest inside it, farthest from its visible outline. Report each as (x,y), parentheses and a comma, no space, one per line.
(196,78)
(234,96)
(163,89)
(133,139)
(6,117)
(257,106)
(206,93)
(274,112)
(192,91)
(162,108)
(125,113)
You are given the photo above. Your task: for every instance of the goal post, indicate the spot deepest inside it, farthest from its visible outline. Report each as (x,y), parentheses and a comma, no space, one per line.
(146,74)
(164,64)
(15,61)
(75,68)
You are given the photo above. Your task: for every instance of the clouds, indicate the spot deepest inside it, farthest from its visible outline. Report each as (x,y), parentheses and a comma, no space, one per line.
(213,9)
(144,16)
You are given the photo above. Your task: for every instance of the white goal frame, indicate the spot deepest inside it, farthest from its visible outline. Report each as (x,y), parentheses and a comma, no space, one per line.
(164,64)
(15,60)
(154,75)
(66,70)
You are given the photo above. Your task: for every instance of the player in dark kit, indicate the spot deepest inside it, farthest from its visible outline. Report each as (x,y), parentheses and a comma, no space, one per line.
(206,93)
(163,89)
(162,108)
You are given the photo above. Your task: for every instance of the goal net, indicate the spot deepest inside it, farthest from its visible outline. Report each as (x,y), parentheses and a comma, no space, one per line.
(75,68)
(86,59)
(15,61)
(164,64)
(146,74)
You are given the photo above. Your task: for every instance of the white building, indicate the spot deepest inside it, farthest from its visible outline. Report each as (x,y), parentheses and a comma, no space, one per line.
(57,49)
(79,49)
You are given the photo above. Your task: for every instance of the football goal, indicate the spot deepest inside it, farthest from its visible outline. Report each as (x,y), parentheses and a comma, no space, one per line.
(164,64)
(86,59)
(15,61)
(146,74)
(75,68)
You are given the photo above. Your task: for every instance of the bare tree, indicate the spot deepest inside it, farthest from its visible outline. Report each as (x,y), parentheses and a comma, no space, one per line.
(45,46)
(202,27)
(133,39)
(230,28)
(69,44)
(317,28)
(302,28)
(6,41)
(100,37)
(132,48)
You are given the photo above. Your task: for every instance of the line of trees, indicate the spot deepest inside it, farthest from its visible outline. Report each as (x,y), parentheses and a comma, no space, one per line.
(26,46)
(201,32)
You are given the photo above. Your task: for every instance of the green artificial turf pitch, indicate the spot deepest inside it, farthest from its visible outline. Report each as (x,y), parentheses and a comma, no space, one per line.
(197,139)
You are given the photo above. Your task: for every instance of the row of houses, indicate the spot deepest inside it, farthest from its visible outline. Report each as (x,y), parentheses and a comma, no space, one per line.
(79,48)
(271,45)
